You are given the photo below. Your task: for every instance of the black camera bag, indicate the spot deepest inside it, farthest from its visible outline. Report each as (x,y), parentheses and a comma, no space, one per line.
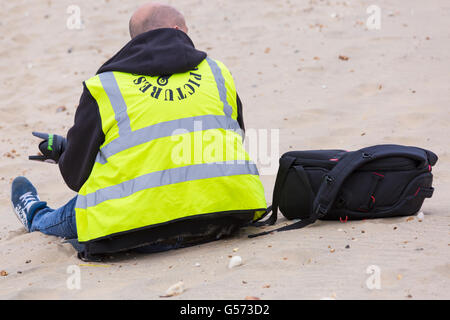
(375,182)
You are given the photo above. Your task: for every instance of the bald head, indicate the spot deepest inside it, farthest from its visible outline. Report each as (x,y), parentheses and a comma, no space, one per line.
(153,16)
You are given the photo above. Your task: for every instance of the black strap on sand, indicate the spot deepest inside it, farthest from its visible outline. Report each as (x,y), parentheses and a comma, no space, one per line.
(298,225)
(334,179)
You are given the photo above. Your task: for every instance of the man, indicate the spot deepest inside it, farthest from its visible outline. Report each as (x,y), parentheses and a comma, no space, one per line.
(122,155)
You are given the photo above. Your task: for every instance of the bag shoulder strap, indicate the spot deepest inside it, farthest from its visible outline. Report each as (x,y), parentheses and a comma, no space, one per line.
(333,181)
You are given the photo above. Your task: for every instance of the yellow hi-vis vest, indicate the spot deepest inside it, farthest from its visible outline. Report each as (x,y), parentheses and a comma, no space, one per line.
(173,150)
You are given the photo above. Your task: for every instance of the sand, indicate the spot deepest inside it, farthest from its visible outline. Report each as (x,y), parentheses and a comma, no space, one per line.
(284,55)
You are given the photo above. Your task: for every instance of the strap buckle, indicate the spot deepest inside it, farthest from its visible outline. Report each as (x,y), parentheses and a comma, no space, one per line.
(321,211)
(329,179)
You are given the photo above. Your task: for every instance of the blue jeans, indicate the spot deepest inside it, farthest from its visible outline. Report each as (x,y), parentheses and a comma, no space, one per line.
(62,223)
(59,222)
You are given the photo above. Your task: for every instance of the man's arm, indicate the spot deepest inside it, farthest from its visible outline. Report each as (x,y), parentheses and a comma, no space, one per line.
(83,143)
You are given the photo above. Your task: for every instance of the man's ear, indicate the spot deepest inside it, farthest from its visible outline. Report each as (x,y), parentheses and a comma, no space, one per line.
(176,27)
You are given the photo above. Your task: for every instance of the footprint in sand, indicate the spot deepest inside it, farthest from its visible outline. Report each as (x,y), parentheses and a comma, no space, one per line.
(368,89)
(16,233)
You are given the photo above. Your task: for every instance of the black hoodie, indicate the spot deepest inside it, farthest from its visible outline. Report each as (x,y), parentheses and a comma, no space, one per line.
(154,53)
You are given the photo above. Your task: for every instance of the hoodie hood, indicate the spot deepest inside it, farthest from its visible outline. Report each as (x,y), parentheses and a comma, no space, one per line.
(156,53)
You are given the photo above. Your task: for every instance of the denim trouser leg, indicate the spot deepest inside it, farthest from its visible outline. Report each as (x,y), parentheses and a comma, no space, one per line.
(59,222)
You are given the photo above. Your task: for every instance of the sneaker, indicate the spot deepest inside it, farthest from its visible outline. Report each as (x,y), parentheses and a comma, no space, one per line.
(23,197)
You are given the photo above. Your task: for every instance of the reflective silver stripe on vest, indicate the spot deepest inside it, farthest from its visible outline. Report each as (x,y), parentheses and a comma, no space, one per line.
(165,129)
(167,177)
(118,104)
(220,81)
(128,139)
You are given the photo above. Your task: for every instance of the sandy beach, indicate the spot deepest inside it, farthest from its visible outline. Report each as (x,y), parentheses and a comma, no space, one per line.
(314,70)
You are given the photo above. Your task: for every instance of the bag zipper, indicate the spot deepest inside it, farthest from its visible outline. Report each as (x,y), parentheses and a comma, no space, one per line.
(329,164)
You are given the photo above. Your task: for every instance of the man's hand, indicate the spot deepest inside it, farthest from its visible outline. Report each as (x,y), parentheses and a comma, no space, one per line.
(51,148)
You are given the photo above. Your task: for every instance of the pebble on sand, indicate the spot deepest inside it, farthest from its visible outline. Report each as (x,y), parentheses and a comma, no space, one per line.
(61,109)
(234,262)
(176,289)
(420,216)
